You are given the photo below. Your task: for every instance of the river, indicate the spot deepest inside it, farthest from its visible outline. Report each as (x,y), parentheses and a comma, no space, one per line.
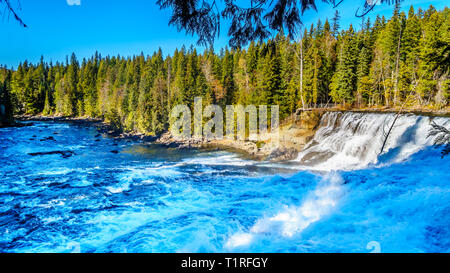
(125,196)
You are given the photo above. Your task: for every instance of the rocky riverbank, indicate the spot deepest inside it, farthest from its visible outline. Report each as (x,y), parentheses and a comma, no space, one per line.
(295,133)
(101,126)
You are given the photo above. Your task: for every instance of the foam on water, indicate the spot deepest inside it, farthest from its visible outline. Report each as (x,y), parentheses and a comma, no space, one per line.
(292,219)
(222,160)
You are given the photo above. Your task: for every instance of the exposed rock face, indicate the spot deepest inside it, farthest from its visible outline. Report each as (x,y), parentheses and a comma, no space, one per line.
(248,148)
(167,139)
(295,133)
(283,154)
(299,129)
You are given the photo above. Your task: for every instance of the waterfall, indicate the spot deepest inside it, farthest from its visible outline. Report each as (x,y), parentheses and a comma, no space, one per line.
(340,208)
(350,140)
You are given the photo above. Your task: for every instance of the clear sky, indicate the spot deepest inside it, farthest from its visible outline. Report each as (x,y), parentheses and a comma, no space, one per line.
(59,27)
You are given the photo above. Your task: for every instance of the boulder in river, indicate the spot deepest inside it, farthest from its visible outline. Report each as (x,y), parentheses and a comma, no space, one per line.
(64,154)
(50,138)
(283,154)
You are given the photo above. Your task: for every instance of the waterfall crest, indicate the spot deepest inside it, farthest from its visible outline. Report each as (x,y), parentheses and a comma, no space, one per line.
(349,140)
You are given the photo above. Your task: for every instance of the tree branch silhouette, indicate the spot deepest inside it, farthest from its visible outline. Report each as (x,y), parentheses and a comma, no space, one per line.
(9,9)
(442,135)
(255,21)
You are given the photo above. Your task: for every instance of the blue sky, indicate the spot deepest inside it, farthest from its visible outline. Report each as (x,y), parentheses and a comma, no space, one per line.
(59,27)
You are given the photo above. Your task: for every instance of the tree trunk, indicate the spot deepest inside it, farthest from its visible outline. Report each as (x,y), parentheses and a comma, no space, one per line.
(395,120)
(396,94)
(301,72)
(168,87)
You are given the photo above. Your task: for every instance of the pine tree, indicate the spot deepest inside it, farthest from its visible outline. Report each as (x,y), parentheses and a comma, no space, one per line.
(363,65)
(228,78)
(427,86)
(71,96)
(336,23)
(409,54)
(344,80)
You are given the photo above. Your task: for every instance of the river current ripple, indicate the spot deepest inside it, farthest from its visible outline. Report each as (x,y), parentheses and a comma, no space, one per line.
(147,198)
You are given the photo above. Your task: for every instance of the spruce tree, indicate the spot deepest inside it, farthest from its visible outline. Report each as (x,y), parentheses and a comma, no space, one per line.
(344,80)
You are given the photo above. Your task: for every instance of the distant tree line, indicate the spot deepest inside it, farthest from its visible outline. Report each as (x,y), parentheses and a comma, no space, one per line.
(395,62)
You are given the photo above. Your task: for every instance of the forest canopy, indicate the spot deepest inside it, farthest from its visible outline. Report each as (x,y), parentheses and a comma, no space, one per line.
(387,62)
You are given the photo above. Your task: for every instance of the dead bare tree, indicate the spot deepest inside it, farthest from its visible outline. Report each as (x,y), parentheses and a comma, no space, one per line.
(299,55)
(399,113)
(397,64)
